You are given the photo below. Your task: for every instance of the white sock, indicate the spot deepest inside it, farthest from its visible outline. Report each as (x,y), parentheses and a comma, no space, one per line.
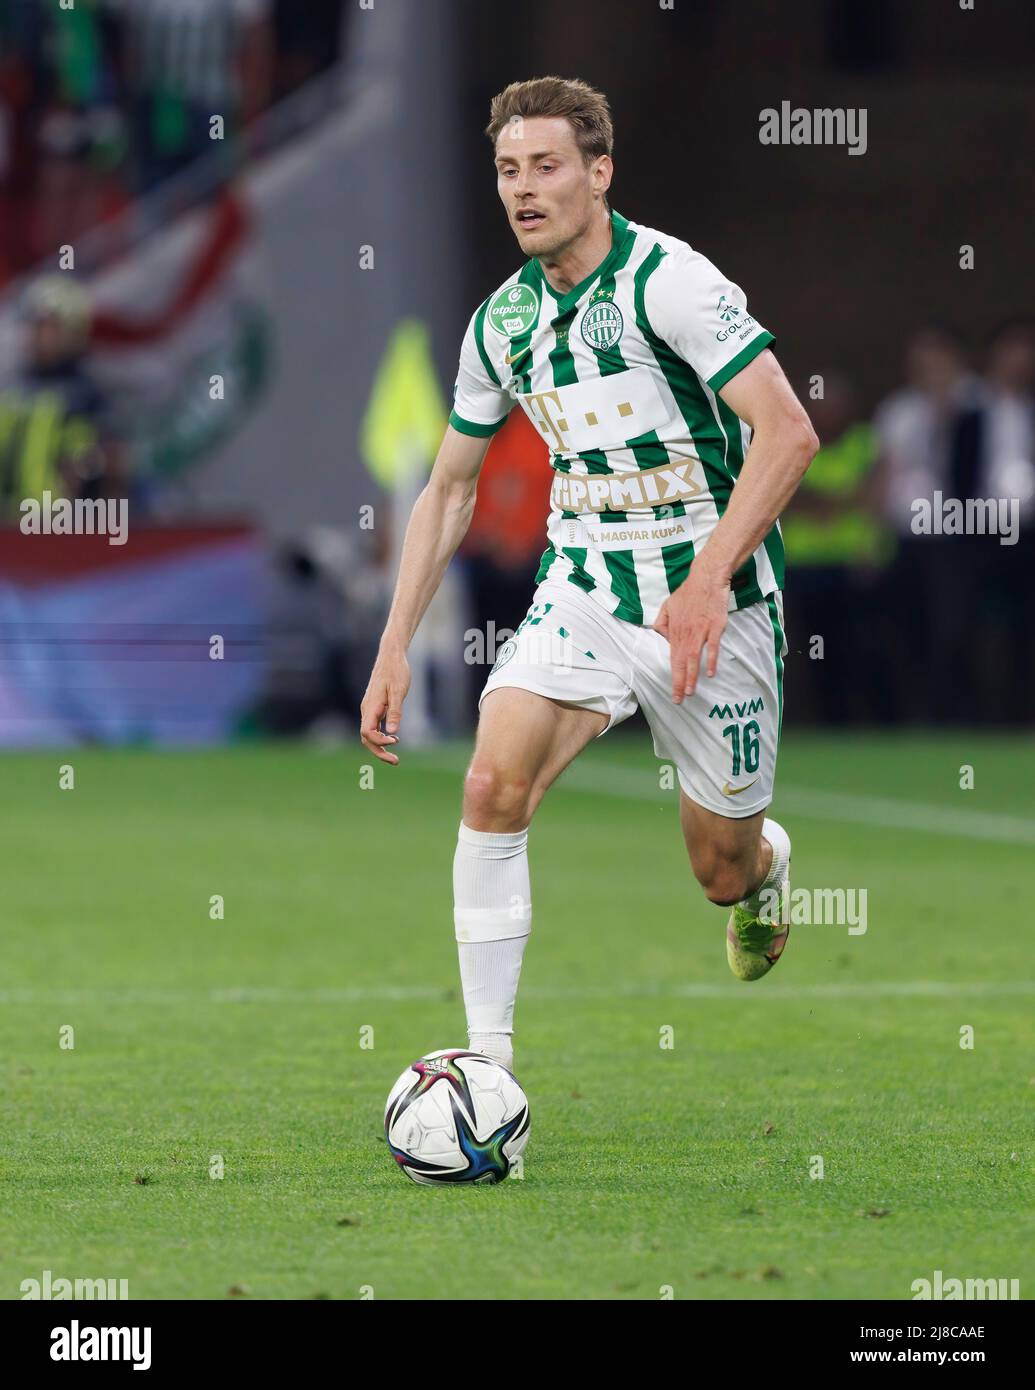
(492,914)
(766,894)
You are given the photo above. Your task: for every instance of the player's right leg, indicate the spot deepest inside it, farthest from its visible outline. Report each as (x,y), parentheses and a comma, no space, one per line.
(561,681)
(524,742)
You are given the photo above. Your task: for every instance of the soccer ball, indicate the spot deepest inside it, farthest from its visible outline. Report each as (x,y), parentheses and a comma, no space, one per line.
(456,1116)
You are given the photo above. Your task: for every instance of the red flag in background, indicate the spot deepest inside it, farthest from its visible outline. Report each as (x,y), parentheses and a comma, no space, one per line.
(227,229)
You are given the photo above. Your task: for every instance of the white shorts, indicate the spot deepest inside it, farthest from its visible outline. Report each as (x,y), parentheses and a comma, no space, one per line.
(723,739)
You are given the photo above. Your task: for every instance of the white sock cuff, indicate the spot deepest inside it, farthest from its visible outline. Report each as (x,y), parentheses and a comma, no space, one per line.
(490,844)
(781,843)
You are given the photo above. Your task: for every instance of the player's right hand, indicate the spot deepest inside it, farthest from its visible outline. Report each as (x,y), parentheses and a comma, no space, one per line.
(380,714)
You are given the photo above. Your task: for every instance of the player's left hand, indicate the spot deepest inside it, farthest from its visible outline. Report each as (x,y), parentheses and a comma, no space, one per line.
(693,619)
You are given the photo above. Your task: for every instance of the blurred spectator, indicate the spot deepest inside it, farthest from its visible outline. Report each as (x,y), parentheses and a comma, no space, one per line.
(74,190)
(108,98)
(185,61)
(836,545)
(914,426)
(508,531)
(992,455)
(329,597)
(63,134)
(915,421)
(993,442)
(55,424)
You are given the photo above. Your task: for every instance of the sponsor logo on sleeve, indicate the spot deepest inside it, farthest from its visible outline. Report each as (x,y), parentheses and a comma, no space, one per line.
(514,310)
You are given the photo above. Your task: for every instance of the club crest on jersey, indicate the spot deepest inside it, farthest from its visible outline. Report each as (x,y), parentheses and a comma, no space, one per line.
(602,325)
(505,653)
(514,310)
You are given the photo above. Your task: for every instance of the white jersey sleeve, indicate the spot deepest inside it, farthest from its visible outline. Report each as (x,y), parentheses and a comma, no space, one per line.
(703,316)
(480,404)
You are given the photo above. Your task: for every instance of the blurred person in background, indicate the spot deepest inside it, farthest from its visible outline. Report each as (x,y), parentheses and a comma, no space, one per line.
(56,431)
(76,186)
(185,61)
(992,455)
(505,542)
(837,544)
(915,426)
(62,136)
(993,438)
(107,98)
(23,29)
(329,594)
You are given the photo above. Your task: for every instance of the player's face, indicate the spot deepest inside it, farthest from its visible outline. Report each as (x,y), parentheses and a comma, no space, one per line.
(545,184)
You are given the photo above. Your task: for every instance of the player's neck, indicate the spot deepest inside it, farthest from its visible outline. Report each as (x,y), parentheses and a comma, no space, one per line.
(570,266)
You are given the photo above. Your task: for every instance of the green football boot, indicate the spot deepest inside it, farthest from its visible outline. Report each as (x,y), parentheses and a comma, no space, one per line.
(755,944)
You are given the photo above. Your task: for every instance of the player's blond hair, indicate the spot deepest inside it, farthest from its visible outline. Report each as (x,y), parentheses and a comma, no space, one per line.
(582,106)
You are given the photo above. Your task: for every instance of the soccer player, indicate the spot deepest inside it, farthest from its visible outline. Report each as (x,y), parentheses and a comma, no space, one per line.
(675,442)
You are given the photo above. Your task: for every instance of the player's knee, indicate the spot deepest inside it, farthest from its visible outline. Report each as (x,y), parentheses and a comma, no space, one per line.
(496,799)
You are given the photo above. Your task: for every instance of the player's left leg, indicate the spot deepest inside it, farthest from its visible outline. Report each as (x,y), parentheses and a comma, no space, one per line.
(744,864)
(723,741)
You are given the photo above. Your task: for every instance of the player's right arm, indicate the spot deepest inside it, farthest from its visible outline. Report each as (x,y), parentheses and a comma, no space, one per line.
(438,523)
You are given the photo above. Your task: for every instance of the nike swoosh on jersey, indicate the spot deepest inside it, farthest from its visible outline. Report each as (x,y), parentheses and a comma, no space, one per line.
(727,790)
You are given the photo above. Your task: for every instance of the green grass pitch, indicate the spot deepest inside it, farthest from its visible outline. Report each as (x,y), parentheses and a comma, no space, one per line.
(648,1168)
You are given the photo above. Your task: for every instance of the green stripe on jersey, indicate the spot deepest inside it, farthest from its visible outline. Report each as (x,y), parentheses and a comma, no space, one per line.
(619,564)
(479,340)
(709,439)
(519,347)
(647,448)
(472,427)
(622,568)
(743,357)
(778,640)
(678,559)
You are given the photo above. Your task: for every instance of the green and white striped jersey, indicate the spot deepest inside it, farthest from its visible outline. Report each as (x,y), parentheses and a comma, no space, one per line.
(621,376)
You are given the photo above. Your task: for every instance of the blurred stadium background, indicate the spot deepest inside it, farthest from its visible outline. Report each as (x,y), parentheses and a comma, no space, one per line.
(253,338)
(255,346)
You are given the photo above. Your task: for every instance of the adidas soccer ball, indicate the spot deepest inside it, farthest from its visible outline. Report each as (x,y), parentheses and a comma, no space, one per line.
(456,1116)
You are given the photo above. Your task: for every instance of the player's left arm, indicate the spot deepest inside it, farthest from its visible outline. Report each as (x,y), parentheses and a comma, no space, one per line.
(782,447)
